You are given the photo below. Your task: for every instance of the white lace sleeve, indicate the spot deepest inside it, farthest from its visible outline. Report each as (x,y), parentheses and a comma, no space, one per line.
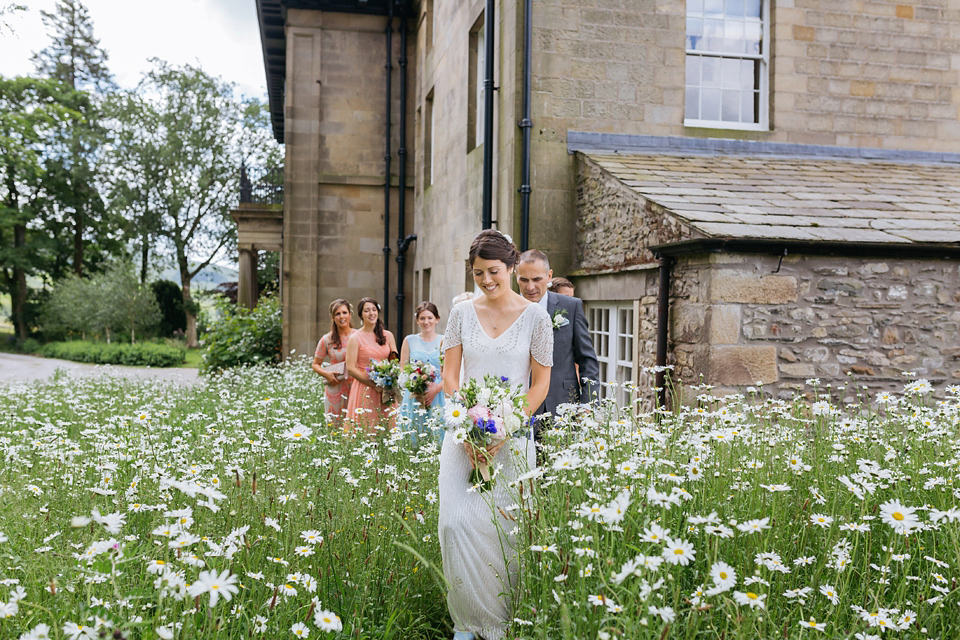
(451,335)
(541,342)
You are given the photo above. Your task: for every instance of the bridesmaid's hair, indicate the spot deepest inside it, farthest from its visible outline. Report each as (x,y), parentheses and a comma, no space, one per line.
(426,306)
(377,328)
(334,331)
(490,244)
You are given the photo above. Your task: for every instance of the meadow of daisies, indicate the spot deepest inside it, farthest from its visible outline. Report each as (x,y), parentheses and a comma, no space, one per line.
(230,510)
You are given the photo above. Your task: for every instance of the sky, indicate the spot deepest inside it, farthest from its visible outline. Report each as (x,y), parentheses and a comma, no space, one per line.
(220,36)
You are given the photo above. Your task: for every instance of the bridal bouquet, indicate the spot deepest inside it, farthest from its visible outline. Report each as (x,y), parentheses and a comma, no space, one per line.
(485,413)
(384,374)
(417,377)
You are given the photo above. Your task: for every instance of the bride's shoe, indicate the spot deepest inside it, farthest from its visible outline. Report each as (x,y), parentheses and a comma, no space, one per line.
(463,635)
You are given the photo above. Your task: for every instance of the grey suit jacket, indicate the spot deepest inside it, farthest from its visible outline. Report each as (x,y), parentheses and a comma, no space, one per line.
(571,345)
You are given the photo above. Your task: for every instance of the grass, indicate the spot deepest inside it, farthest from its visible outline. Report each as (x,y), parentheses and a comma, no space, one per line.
(118,496)
(193,359)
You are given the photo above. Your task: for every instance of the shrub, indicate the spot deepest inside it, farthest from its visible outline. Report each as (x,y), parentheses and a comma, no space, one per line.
(143,354)
(243,336)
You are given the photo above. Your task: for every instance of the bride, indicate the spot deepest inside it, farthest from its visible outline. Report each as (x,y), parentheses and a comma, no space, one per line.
(502,334)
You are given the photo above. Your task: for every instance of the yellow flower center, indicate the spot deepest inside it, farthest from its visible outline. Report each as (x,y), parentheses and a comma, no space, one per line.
(678,552)
(897,516)
(723,575)
(752,595)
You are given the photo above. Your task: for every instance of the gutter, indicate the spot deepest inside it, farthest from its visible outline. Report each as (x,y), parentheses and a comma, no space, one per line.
(387,156)
(526,124)
(403,242)
(488,27)
(809,247)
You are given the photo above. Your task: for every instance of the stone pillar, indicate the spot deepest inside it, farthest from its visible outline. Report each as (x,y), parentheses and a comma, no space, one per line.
(247,279)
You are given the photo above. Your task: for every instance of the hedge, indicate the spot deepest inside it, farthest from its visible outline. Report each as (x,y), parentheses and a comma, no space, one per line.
(143,354)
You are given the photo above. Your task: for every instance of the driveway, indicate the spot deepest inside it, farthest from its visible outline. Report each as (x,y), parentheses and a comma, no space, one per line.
(18,368)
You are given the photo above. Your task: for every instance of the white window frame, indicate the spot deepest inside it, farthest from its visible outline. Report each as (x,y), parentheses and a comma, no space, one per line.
(764,89)
(618,360)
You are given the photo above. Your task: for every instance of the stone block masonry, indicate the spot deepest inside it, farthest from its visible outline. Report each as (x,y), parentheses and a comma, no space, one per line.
(859,323)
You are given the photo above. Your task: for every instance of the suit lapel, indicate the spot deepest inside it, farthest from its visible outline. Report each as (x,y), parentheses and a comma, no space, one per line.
(551,303)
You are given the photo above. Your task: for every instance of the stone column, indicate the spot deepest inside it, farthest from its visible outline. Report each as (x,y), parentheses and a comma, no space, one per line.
(247,279)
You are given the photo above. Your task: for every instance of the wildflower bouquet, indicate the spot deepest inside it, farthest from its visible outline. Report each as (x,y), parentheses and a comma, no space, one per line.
(417,377)
(384,374)
(485,413)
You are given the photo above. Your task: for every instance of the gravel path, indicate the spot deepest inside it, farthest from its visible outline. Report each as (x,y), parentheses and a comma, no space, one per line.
(19,368)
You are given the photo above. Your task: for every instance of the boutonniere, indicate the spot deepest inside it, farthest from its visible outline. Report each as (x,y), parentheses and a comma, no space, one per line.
(559,319)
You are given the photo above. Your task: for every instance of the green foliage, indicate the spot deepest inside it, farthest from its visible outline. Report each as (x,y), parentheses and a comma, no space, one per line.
(170,300)
(143,354)
(106,303)
(244,336)
(33,114)
(181,138)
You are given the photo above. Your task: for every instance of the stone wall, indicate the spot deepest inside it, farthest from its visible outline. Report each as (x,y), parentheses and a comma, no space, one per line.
(615,224)
(867,73)
(335,140)
(849,321)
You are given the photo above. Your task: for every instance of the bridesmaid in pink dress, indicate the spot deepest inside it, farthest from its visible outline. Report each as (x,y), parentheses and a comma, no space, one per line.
(333,346)
(372,342)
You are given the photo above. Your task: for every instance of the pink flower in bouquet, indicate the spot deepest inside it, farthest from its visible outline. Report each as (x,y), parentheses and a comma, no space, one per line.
(479,413)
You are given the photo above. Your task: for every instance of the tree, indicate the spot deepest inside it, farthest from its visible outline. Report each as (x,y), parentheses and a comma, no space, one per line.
(75,59)
(170,300)
(6,11)
(32,113)
(181,137)
(125,304)
(108,302)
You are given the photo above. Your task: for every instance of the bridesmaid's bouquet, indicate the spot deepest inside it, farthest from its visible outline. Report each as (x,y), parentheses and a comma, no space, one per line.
(417,377)
(485,413)
(384,374)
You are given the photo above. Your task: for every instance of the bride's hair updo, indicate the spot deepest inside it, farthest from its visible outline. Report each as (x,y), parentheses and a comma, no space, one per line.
(490,244)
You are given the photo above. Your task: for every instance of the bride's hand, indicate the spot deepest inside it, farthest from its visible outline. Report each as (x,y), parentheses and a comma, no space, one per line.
(482,455)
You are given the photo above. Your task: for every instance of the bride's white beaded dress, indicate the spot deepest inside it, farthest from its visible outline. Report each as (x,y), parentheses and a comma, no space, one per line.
(477,543)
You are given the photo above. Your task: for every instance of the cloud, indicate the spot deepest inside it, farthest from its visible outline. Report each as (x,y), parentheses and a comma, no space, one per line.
(220,36)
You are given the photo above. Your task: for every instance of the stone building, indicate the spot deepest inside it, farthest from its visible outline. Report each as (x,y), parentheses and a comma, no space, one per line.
(637,112)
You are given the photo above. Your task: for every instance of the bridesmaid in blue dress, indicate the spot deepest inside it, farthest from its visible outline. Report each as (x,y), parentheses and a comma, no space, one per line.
(424,347)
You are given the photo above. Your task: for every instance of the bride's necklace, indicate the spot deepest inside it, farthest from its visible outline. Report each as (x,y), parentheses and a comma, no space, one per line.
(499,318)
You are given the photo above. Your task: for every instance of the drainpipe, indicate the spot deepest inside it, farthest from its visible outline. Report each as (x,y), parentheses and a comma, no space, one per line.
(525,125)
(402,242)
(386,159)
(663,322)
(488,28)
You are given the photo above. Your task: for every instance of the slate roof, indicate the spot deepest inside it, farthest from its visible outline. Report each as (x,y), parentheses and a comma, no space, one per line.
(805,199)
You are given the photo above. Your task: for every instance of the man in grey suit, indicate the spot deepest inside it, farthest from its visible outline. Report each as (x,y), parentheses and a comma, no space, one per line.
(572,345)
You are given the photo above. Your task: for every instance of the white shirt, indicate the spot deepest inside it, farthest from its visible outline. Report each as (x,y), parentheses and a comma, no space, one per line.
(543,301)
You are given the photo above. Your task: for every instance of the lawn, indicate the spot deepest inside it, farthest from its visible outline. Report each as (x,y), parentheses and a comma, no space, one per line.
(230,510)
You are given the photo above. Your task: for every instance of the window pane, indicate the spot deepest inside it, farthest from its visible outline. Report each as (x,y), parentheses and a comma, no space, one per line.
(733,36)
(713,7)
(713,34)
(748,74)
(710,72)
(694,33)
(692,104)
(734,8)
(748,111)
(710,104)
(694,6)
(731,106)
(752,8)
(730,73)
(753,33)
(693,70)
